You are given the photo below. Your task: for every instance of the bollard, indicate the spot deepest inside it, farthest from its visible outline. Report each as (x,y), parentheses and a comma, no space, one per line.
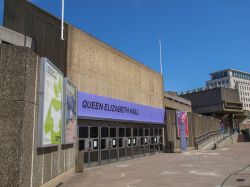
(79,162)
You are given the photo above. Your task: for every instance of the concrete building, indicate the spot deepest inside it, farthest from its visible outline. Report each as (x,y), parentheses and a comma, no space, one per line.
(197,124)
(219,101)
(234,79)
(174,102)
(124,99)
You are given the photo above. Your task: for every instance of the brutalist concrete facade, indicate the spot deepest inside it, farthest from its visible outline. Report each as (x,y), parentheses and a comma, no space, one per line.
(93,66)
(197,126)
(174,102)
(99,69)
(215,101)
(44,29)
(21,162)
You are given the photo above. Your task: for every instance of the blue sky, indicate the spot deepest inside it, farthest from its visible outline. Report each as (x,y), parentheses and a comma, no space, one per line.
(198,36)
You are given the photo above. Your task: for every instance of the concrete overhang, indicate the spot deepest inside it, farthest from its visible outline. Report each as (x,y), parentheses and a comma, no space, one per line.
(224,107)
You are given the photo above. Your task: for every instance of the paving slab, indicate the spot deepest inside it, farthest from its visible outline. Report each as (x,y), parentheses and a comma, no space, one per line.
(227,167)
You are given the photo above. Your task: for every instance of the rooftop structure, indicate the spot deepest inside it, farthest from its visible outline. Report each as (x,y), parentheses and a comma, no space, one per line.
(173,101)
(234,79)
(215,101)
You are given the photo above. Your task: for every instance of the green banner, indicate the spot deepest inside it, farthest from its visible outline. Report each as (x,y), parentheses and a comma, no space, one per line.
(51,106)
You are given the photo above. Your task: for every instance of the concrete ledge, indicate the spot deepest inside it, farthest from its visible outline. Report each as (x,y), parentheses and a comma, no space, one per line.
(15,38)
(60,179)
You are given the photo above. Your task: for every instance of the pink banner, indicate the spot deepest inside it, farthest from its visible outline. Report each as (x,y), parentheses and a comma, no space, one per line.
(181,117)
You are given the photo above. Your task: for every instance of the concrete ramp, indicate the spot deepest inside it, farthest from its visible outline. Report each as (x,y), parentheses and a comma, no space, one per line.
(227,141)
(219,141)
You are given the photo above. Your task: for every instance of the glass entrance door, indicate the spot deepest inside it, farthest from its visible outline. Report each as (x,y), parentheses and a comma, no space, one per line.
(113,144)
(109,144)
(104,145)
(89,143)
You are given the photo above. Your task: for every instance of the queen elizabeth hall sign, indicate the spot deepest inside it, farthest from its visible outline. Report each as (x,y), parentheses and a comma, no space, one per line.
(98,107)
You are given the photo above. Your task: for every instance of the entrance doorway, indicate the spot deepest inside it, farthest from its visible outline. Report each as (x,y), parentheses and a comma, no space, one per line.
(109,144)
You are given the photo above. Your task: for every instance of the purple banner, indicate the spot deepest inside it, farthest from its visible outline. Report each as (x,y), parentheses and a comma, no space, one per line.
(99,107)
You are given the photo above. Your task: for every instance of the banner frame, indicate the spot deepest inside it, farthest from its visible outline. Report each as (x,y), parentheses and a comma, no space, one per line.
(43,61)
(65,82)
(177,125)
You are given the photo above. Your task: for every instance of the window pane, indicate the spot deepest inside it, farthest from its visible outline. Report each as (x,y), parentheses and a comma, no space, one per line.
(156,132)
(120,142)
(103,144)
(83,132)
(140,132)
(142,141)
(151,132)
(93,132)
(121,132)
(135,132)
(112,132)
(81,145)
(128,132)
(104,132)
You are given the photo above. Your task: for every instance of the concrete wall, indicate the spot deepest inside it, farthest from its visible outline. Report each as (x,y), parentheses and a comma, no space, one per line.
(15,38)
(24,17)
(228,95)
(175,102)
(92,65)
(197,124)
(99,69)
(212,101)
(21,163)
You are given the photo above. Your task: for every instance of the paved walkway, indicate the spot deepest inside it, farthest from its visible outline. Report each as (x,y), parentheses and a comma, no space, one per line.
(194,169)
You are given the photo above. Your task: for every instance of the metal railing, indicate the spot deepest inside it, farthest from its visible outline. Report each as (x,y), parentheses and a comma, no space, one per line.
(214,136)
(204,137)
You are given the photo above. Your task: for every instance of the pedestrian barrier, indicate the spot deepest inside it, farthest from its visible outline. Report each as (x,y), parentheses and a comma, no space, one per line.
(209,140)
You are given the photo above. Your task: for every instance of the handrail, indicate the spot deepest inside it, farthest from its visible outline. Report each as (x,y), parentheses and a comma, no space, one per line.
(213,135)
(206,136)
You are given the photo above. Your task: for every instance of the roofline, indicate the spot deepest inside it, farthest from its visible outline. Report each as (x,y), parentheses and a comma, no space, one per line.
(229,70)
(178,98)
(206,90)
(123,54)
